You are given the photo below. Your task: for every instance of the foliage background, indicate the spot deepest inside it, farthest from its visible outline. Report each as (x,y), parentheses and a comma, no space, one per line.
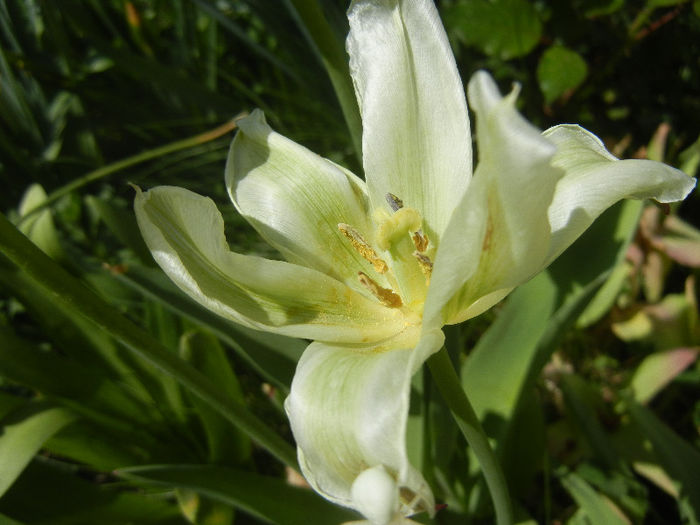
(591,397)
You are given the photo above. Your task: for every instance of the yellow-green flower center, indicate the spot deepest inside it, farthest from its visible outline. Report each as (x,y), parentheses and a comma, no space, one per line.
(400,256)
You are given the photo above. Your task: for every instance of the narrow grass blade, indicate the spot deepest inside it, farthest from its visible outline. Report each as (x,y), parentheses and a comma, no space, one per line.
(23,434)
(679,458)
(597,508)
(247,491)
(72,294)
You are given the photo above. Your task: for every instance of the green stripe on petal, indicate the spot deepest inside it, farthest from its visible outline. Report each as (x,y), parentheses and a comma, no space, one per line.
(295,199)
(595,180)
(348,409)
(416,141)
(499,235)
(185,233)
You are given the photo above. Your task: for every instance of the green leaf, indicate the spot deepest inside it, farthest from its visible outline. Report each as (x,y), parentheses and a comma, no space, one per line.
(617,226)
(202,510)
(560,70)
(331,51)
(606,296)
(22,435)
(9,402)
(664,3)
(68,331)
(639,453)
(272,356)
(690,157)
(4,520)
(103,449)
(624,489)
(658,370)
(581,400)
(494,374)
(597,508)
(507,360)
(501,28)
(680,459)
(63,378)
(247,491)
(122,224)
(66,291)
(39,227)
(596,8)
(54,494)
(226,443)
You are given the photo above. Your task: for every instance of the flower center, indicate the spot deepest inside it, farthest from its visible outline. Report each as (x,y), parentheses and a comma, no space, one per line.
(400,254)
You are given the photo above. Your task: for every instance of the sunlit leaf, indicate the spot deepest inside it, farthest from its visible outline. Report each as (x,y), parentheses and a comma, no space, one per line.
(658,370)
(22,435)
(501,28)
(560,70)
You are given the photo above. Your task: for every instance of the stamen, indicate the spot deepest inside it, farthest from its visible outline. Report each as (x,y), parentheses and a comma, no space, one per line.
(386,296)
(426,265)
(394,202)
(420,240)
(362,247)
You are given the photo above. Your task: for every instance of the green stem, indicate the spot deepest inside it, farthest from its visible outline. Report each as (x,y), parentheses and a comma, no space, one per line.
(139,158)
(72,294)
(449,385)
(332,54)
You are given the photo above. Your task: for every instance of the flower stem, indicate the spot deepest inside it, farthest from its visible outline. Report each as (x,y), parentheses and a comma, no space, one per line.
(449,385)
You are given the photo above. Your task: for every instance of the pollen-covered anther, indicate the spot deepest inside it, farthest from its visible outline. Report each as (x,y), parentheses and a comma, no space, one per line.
(393,201)
(420,240)
(362,247)
(386,296)
(426,265)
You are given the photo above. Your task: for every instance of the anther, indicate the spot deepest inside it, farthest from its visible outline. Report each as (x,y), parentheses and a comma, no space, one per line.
(420,240)
(386,296)
(426,265)
(394,202)
(362,247)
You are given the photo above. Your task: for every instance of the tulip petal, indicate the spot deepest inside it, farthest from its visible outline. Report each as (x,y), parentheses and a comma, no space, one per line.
(295,199)
(499,235)
(595,180)
(185,233)
(416,140)
(348,408)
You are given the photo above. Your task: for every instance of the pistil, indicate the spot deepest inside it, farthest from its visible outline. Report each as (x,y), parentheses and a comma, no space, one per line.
(395,239)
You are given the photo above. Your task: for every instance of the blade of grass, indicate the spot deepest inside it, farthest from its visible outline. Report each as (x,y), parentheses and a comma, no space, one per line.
(241,34)
(246,490)
(596,507)
(23,433)
(64,289)
(332,54)
(139,158)
(678,457)
(274,357)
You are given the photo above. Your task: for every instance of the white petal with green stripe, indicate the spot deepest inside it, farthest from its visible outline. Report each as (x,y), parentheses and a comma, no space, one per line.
(295,199)
(416,141)
(185,233)
(594,180)
(348,408)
